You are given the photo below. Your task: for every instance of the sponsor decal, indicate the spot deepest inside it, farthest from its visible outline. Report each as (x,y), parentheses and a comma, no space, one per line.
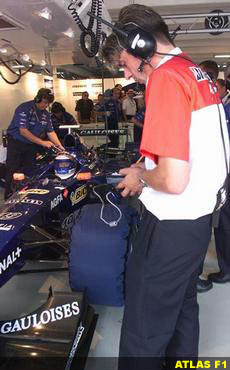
(78,194)
(9,260)
(9,215)
(76,341)
(6,227)
(34,191)
(101,132)
(64,311)
(56,201)
(68,222)
(25,200)
(199,74)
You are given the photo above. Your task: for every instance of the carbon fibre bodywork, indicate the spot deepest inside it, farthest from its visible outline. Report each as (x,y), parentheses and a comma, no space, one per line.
(56,335)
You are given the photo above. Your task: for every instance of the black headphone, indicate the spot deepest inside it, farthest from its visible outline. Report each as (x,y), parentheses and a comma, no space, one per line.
(44,93)
(138,42)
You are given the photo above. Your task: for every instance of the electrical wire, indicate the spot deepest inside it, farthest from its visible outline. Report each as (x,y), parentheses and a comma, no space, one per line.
(110,223)
(19,76)
(95,37)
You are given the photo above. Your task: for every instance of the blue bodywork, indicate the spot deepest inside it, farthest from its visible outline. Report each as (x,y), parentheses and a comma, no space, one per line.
(42,195)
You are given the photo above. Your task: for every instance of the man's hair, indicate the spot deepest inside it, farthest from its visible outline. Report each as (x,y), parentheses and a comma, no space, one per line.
(45,94)
(223,83)
(131,17)
(211,68)
(57,108)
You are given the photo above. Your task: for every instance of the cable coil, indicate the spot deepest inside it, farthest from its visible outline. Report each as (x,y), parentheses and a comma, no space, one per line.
(95,37)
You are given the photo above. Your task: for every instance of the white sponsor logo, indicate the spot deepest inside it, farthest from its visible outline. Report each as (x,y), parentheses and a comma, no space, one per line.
(64,311)
(6,227)
(56,201)
(77,339)
(78,194)
(9,260)
(9,215)
(25,200)
(67,222)
(34,191)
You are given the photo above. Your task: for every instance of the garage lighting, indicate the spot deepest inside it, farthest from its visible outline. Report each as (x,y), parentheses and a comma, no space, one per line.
(18,66)
(69,33)
(222,56)
(3,50)
(45,13)
(26,57)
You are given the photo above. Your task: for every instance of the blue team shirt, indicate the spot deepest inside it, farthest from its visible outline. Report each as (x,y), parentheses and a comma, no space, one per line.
(28,116)
(140,116)
(114,107)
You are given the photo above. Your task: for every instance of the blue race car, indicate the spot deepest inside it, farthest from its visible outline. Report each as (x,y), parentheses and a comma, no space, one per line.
(44,204)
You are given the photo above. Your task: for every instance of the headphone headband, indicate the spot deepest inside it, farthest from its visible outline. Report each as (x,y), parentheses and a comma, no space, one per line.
(44,93)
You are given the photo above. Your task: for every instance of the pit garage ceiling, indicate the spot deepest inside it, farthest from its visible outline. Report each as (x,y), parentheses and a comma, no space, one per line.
(44,39)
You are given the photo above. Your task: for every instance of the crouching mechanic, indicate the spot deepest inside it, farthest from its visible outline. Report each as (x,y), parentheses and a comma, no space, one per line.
(178,183)
(30,127)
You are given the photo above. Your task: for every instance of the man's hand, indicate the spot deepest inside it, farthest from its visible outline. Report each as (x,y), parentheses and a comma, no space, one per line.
(131,183)
(61,147)
(47,144)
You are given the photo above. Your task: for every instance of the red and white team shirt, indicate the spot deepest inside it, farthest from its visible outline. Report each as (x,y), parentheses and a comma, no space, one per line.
(182,121)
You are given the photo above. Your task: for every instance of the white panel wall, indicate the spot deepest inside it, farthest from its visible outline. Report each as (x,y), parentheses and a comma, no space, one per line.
(64,90)
(12,95)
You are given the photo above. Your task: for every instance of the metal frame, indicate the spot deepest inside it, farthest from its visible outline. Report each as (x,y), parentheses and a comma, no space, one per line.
(197,15)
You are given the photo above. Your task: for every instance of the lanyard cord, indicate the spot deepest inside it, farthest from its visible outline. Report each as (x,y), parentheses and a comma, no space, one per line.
(227,162)
(111,223)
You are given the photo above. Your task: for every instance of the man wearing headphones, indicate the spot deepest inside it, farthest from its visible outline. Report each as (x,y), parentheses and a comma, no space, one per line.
(29,128)
(178,185)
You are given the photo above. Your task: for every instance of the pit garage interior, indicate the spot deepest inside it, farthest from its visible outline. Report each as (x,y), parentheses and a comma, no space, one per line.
(51,42)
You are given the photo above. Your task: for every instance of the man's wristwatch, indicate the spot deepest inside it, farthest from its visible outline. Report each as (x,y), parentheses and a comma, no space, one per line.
(143,182)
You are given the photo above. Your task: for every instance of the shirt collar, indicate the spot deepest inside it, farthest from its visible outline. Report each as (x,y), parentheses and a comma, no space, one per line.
(174,51)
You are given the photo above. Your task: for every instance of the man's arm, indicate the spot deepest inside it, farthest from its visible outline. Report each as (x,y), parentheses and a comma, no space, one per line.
(124,109)
(170,176)
(54,139)
(137,123)
(34,139)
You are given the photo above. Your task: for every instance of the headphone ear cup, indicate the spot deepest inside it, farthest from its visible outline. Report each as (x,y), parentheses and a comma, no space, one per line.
(141,44)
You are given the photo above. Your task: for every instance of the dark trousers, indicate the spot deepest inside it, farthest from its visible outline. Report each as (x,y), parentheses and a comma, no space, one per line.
(222,240)
(137,134)
(161,310)
(20,158)
(114,138)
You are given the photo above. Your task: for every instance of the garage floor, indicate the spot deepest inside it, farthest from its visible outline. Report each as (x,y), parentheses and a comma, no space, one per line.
(22,294)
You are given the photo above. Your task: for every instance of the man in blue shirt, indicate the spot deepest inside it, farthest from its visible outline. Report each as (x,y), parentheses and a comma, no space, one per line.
(30,128)
(114,115)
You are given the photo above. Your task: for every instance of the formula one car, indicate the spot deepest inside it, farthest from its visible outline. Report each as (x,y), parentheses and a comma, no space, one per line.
(44,204)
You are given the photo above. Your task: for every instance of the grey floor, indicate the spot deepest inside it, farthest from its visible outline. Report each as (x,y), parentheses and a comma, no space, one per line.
(22,295)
